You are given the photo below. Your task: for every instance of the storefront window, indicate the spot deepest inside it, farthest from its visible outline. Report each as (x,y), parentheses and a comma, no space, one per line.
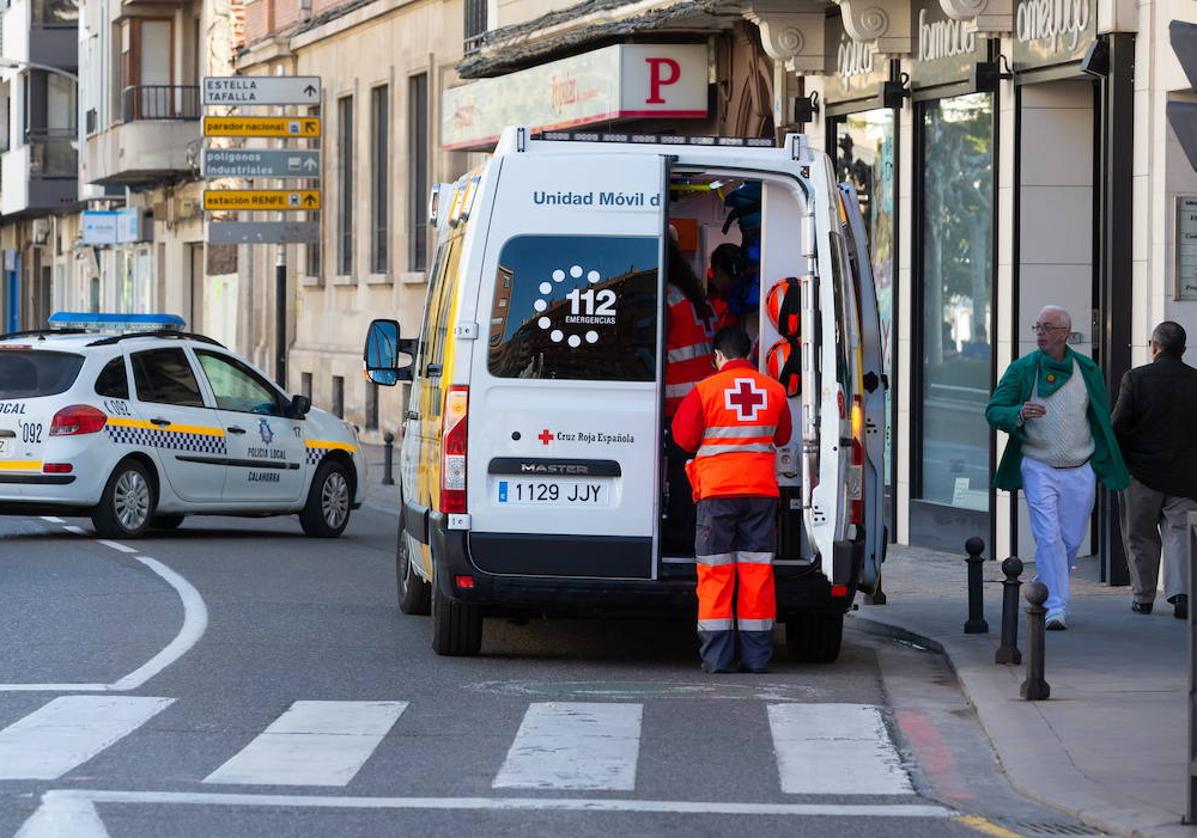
(865,158)
(957,296)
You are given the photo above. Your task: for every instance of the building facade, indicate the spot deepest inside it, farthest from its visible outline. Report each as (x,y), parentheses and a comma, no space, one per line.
(383,66)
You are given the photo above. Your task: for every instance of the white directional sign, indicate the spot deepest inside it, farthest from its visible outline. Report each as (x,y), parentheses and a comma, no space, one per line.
(261,90)
(263,232)
(260,162)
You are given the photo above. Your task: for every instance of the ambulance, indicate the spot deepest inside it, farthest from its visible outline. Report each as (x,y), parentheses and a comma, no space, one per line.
(533,466)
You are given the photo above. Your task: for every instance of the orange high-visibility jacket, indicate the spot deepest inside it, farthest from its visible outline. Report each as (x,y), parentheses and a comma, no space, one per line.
(732,421)
(689,354)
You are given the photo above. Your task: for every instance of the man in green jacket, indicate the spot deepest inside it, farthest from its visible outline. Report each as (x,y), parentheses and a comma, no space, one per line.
(1054,406)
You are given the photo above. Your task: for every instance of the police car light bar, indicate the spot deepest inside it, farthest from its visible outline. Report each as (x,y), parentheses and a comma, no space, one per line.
(101,321)
(659,139)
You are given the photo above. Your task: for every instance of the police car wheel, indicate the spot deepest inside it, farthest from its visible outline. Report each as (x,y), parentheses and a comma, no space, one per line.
(127,505)
(166,522)
(456,626)
(415,595)
(327,511)
(815,637)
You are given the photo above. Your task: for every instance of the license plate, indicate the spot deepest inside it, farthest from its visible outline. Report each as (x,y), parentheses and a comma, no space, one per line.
(553,493)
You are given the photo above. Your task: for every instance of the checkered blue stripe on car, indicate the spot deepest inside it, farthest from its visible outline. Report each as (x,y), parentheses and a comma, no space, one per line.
(317,448)
(174,440)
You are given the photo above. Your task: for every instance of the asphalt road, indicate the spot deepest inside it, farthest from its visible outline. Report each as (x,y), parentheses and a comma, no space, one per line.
(235,678)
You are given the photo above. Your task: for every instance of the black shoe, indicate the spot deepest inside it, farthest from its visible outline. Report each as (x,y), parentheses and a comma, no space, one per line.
(1180,606)
(755,670)
(1142,607)
(711,670)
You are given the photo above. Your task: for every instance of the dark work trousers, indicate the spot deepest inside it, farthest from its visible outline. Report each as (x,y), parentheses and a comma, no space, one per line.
(734,548)
(677,530)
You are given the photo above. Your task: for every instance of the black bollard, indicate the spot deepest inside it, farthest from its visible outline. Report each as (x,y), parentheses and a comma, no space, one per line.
(1008,652)
(388,455)
(1035,688)
(976,596)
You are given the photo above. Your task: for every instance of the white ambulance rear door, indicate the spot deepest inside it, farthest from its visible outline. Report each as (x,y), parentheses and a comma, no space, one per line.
(875,385)
(565,411)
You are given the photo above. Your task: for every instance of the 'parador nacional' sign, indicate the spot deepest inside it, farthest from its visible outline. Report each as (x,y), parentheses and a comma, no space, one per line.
(1052,31)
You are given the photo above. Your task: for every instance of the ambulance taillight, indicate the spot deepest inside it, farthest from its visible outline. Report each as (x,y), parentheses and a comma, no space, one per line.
(453,450)
(856,466)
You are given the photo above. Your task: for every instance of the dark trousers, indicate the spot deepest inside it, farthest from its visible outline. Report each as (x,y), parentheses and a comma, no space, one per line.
(677,526)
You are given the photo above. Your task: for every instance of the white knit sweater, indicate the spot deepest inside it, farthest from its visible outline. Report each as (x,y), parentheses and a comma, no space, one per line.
(1061,437)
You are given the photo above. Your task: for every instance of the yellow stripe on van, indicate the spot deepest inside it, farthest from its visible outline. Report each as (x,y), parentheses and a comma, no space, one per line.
(20,465)
(336,446)
(173,428)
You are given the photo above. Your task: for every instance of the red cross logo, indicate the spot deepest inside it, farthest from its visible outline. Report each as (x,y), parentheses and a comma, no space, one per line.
(745,399)
(545,437)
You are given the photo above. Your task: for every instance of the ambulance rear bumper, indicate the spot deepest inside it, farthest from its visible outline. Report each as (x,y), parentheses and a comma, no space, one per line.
(457,555)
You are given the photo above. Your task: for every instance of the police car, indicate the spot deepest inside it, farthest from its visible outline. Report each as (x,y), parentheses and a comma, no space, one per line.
(138,424)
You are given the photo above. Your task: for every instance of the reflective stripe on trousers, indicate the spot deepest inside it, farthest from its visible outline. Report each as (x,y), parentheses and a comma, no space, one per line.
(717,559)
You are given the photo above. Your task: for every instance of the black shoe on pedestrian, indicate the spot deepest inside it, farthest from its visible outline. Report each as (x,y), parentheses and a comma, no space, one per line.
(1142,607)
(1180,606)
(755,670)
(711,670)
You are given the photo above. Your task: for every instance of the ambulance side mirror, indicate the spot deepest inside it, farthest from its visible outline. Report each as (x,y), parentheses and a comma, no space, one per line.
(382,355)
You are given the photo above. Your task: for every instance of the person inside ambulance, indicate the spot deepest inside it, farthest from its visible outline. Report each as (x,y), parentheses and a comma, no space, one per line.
(689,358)
(723,283)
(732,421)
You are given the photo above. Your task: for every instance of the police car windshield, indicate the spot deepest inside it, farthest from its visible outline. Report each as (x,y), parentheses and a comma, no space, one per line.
(26,374)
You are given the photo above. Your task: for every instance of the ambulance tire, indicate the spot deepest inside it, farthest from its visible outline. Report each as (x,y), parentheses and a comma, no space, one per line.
(415,595)
(815,636)
(127,505)
(456,626)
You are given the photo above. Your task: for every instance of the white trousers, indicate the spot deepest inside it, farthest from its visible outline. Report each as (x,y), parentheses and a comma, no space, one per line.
(1059,502)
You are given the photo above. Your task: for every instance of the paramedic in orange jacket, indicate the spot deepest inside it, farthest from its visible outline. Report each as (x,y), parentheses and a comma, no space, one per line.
(689,358)
(732,421)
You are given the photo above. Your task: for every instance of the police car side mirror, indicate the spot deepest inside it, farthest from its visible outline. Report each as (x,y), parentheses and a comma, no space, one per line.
(382,355)
(299,407)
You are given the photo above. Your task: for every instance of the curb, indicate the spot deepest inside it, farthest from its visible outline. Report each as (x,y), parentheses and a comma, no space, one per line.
(1045,766)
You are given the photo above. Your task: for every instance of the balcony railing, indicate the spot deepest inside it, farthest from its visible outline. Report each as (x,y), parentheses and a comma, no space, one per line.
(160,101)
(53,154)
(475,25)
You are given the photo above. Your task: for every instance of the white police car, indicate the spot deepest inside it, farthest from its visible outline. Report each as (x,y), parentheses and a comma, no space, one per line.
(141,428)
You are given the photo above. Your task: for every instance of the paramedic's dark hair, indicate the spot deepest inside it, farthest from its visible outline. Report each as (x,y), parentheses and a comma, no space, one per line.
(727,257)
(733,342)
(681,275)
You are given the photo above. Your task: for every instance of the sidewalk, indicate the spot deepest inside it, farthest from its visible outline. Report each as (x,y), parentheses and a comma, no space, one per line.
(1109,746)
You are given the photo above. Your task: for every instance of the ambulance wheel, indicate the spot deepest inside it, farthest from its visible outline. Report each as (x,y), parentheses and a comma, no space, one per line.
(166,522)
(456,626)
(815,636)
(415,595)
(326,513)
(127,505)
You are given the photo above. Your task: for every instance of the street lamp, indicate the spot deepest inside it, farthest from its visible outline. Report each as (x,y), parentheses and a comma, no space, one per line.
(14,64)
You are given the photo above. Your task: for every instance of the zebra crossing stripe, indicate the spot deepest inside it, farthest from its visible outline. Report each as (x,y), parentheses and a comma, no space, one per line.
(314,743)
(835,749)
(574,745)
(69,731)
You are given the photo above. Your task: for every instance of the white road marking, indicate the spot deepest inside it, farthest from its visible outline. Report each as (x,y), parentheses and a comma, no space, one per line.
(75,530)
(69,731)
(52,519)
(314,743)
(835,749)
(195,623)
(574,745)
(116,545)
(72,814)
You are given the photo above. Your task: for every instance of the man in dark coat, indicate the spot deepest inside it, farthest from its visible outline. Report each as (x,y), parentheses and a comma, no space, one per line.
(1156,430)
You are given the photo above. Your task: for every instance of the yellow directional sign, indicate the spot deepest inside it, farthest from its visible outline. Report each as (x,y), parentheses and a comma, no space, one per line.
(262,126)
(300,200)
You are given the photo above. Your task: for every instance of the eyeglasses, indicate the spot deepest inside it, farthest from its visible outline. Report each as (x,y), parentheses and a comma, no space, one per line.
(1043,327)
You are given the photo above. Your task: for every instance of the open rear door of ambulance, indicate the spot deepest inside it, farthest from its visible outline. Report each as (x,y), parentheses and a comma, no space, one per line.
(873,396)
(564,454)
